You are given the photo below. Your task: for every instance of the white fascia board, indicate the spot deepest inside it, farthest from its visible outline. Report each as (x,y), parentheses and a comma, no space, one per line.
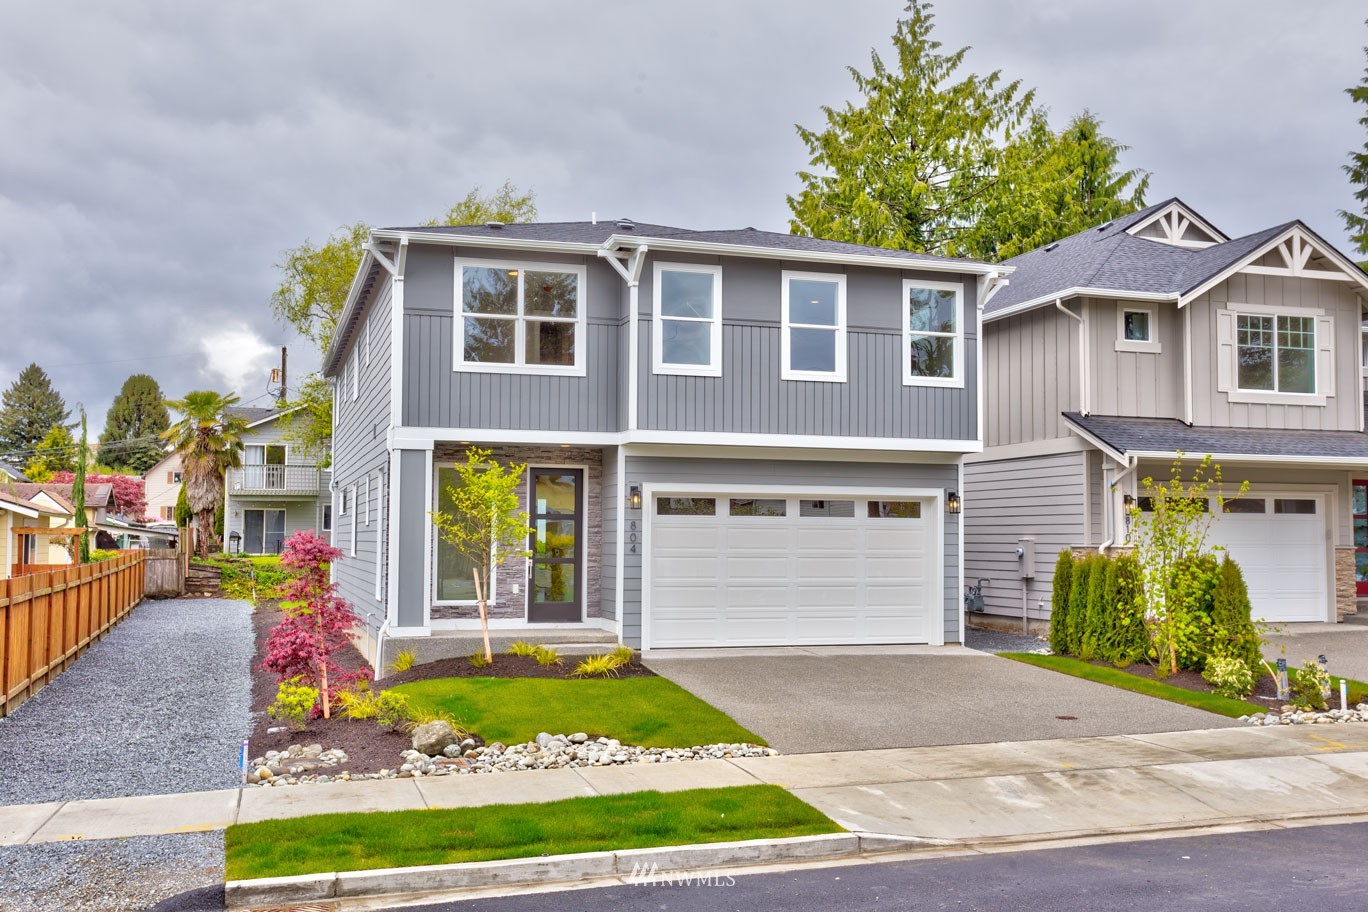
(367,261)
(1232,458)
(1098,442)
(483,240)
(1080,291)
(16,508)
(418,438)
(812,256)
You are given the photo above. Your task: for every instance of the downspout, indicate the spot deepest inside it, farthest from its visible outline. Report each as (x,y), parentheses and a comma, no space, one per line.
(1187,367)
(1132,463)
(1082,356)
(391,607)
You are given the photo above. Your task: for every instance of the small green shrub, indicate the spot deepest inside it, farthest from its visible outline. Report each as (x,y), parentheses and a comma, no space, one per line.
(1229,677)
(294,703)
(1059,603)
(604,665)
(1098,614)
(102,554)
(1127,641)
(1310,687)
(1233,631)
(477,659)
(402,662)
(1078,604)
(625,653)
(546,656)
(392,709)
(522,648)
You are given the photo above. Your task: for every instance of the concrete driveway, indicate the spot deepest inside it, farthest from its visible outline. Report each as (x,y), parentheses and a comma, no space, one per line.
(807,700)
(1345,646)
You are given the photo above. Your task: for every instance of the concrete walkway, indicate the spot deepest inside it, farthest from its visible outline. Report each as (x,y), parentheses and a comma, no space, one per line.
(1020,790)
(865,698)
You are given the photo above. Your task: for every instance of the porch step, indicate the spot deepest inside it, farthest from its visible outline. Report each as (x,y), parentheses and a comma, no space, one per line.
(202,580)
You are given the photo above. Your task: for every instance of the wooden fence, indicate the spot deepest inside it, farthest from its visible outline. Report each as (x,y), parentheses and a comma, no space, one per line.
(48,619)
(164,571)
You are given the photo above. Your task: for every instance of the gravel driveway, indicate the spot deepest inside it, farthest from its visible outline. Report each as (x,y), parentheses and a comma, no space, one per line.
(160,705)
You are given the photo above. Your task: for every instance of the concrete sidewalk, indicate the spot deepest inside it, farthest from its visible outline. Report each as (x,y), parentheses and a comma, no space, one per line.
(1025,789)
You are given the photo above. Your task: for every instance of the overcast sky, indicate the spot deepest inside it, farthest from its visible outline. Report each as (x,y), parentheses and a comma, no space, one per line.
(158,157)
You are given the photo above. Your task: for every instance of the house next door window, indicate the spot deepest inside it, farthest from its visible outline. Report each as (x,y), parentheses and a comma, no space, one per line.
(1361,536)
(555,512)
(263,531)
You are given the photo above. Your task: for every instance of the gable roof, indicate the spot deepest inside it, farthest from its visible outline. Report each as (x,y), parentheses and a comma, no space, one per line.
(1107,261)
(9,469)
(604,237)
(255,416)
(97,495)
(1162,437)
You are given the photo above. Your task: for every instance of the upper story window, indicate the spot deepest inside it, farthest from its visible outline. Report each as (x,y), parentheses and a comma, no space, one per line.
(1275,353)
(687,310)
(814,330)
(520,317)
(1137,328)
(933,337)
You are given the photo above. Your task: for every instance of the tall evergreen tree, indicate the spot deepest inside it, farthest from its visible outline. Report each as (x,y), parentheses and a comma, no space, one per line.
(135,418)
(28,410)
(937,161)
(1357,169)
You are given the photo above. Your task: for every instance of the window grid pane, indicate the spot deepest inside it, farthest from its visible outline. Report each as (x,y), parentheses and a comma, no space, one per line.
(519,317)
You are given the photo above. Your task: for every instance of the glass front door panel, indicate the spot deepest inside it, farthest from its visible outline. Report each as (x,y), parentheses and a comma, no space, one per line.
(554,514)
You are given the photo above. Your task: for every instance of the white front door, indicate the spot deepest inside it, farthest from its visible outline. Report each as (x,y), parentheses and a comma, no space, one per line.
(736,570)
(1279,541)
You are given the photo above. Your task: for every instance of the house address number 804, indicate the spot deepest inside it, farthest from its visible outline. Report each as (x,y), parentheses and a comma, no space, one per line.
(632,537)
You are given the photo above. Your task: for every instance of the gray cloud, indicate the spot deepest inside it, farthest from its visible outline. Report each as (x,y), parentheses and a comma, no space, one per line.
(159,156)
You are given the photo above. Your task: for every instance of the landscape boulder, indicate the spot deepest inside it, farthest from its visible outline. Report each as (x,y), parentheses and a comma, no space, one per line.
(434,737)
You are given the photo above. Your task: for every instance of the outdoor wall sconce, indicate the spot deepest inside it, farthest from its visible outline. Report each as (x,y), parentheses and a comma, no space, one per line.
(952,503)
(1127,501)
(634,496)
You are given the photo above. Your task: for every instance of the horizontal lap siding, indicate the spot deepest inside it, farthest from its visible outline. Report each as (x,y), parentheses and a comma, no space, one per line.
(831,475)
(751,397)
(360,454)
(1042,497)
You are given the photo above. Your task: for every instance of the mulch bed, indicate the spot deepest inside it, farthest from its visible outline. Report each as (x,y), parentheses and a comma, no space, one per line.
(1265,691)
(369,747)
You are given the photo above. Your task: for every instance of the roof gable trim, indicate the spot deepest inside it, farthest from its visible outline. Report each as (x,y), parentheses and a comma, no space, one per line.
(1174,220)
(1296,246)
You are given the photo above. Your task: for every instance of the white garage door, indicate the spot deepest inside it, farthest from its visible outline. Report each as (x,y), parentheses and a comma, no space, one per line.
(732,570)
(1279,543)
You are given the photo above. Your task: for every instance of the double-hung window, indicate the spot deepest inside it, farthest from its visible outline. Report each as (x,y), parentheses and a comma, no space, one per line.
(687,311)
(933,334)
(814,329)
(520,318)
(1275,353)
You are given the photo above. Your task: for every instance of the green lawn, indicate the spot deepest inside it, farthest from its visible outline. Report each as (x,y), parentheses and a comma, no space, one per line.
(1104,674)
(396,839)
(650,712)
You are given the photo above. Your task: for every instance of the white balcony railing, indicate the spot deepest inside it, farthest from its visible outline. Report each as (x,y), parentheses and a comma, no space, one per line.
(275,479)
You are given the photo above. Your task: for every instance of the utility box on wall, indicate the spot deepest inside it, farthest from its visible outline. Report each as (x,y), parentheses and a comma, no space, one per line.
(1026,559)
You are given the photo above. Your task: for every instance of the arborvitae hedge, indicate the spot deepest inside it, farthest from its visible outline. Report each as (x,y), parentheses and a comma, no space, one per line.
(1234,631)
(1097,621)
(1059,603)
(1078,604)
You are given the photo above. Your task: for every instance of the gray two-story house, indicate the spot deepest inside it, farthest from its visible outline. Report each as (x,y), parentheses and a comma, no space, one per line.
(731,437)
(1115,348)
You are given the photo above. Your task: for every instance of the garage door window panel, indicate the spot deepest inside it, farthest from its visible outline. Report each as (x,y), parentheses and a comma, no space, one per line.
(1245,505)
(1294,506)
(895,509)
(686,506)
(839,509)
(744,507)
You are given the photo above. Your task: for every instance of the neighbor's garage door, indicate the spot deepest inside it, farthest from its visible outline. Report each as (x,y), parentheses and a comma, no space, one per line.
(757,571)
(1280,545)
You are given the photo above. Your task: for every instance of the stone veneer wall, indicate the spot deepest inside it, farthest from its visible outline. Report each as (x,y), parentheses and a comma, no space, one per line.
(507,604)
(1346,583)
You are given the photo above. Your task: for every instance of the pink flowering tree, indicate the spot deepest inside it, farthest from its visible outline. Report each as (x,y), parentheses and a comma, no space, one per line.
(318,622)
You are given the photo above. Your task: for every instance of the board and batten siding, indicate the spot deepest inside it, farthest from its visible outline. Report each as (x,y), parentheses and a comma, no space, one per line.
(1031,374)
(435,394)
(1212,405)
(1043,497)
(613,491)
(361,461)
(833,476)
(1137,384)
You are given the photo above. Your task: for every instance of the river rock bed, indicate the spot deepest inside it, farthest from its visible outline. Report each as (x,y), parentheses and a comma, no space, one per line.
(311,763)
(1290,716)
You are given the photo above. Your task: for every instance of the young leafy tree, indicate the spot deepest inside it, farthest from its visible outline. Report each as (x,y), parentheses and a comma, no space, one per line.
(1357,169)
(78,483)
(310,428)
(135,419)
(937,161)
(507,204)
(318,622)
(485,524)
(28,410)
(209,441)
(54,454)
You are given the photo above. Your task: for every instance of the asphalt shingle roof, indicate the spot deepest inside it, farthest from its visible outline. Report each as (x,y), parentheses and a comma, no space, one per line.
(251,414)
(1109,258)
(1168,435)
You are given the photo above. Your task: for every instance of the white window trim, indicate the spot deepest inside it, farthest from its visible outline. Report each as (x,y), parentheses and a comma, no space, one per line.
(520,332)
(380,539)
(364,505)
(355,376)
(1276,396)
(957,378)
(839,374)
(351,538)
(436,543)
(1123,344)
(366,340)
(658,363)
(325,518)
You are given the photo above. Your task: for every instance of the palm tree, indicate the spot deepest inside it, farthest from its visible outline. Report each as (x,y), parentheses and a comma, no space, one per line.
(209,441)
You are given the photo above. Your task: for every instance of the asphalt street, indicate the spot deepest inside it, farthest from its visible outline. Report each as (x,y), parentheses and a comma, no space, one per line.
(1311,867)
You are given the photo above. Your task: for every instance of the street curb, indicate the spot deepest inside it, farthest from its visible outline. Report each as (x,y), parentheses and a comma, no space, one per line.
(561,868)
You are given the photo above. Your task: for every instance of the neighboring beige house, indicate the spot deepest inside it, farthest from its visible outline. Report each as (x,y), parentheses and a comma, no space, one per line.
(1113,348)
(162,485)
(55,499)
(41,510)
